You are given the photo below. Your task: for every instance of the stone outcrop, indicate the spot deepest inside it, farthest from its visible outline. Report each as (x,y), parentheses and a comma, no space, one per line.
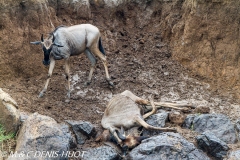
(39,134)
(167,146)
(218,124)
(237,126)
(9,115)
(209,143)
(102,152)
(83,130)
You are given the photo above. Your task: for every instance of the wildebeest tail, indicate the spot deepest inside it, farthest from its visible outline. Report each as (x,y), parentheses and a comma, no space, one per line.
(100,46)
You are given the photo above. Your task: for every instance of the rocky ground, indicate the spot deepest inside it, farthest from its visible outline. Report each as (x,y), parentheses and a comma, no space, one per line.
(140,56)
(145,73)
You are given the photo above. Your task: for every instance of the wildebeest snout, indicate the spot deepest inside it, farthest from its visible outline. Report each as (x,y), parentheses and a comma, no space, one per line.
(46,63)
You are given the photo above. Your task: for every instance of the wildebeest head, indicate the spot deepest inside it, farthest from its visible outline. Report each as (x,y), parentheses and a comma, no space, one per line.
(128,142)
(47,45)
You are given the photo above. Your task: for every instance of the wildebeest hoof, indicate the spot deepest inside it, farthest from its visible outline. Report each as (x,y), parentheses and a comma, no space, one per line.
(110,82)
(68,94)
(40,95)
(87,83)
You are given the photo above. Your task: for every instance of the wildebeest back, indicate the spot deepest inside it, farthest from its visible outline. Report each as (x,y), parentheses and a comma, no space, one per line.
(119,112)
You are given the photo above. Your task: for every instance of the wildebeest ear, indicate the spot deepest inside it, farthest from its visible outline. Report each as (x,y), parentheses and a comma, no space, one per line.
(37,42)
(121,133)
(56,44)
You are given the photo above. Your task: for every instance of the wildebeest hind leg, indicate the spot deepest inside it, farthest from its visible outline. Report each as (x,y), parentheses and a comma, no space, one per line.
(154,109)
(93,61)
(140,121)
(52,63)
(181,107)
(96,51)
(135,98)
(67,72)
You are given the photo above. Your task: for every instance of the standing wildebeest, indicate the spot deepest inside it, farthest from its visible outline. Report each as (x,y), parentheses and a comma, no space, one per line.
(65,41)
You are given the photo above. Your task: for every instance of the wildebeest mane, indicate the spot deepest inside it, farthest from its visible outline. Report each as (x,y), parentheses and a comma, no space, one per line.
(57,28)
(51,33)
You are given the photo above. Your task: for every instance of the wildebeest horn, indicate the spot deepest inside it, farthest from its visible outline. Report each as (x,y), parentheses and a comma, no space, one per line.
(53,39)
(121,134)
(122,130)
(42,38)
(37,42)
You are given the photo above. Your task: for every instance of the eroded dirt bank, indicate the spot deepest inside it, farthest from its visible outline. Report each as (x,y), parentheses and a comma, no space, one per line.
(201,35)
(148,44)
(206,40)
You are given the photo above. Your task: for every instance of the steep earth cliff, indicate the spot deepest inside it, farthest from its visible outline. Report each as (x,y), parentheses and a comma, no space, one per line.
(201,34)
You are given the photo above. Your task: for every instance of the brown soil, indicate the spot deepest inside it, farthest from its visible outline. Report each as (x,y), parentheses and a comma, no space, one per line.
(139,56)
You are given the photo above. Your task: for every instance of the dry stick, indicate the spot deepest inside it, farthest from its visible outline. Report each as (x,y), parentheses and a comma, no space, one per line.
(182,107)
(168,104)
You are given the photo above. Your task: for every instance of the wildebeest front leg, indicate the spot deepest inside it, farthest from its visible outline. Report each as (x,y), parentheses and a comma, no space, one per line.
(93,61)
(52,64)
(114,133)
(67,72)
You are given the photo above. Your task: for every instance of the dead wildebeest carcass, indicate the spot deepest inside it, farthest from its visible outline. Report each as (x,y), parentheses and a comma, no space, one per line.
(122,112)
(65,41)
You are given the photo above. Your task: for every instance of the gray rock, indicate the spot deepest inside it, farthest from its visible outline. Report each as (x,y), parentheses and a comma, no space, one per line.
(188,122)
(9,115)
(81,138)
(166,145)
(24,116)
(101,153)
(237,125)
(209,143)
(234,155)
(218,124)
(157,120)
(41,133)
(83,130)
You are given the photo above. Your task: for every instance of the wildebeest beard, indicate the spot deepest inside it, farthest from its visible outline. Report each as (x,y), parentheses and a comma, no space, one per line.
(46,60)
